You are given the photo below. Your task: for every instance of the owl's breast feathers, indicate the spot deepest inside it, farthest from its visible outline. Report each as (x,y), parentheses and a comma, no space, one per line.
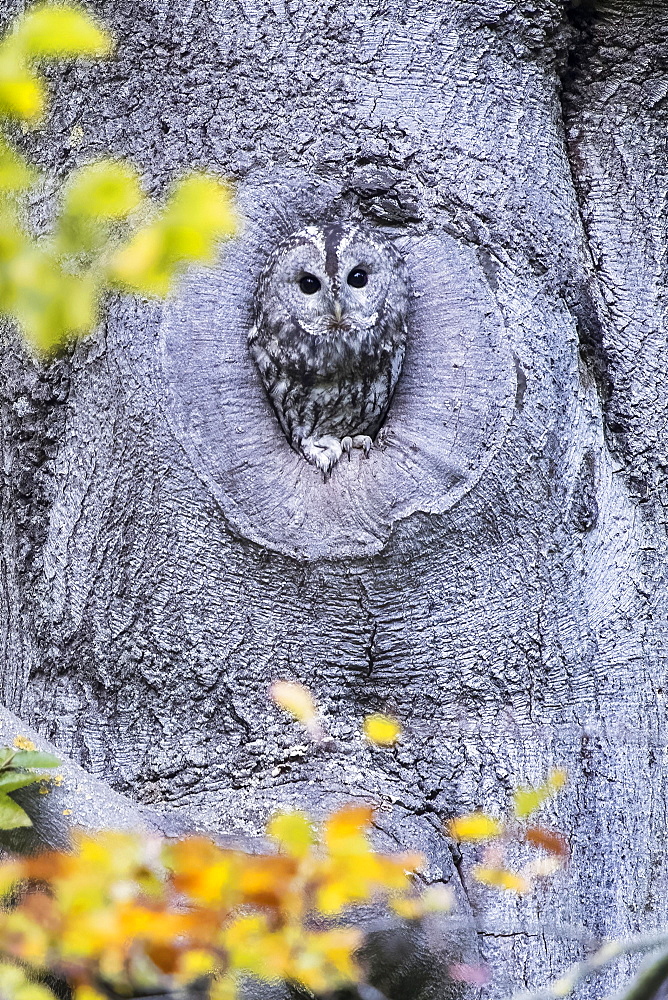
(339,383)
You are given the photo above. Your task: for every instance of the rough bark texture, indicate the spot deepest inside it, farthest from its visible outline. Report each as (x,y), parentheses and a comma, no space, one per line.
(494,574)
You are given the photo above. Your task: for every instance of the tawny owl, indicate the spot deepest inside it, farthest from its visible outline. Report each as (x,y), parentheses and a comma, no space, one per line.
(331,321)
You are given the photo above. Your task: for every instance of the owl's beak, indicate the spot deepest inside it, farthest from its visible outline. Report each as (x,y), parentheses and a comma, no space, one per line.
(338,311)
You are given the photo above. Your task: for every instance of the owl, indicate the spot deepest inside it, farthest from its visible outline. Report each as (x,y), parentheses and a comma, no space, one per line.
(329,337)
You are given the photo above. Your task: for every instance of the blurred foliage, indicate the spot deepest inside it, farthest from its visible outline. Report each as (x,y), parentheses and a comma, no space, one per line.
(20,766)
(296,699)
(107,232)
(134,914)
(548,849)
(130,914)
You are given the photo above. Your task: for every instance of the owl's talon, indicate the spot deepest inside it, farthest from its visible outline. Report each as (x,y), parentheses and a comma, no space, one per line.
(323,452)
(364,442)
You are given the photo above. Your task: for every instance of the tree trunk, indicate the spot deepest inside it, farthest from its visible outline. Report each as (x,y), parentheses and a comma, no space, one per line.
(493,574)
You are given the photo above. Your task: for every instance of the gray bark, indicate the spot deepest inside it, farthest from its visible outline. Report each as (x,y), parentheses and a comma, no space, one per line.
(494,573)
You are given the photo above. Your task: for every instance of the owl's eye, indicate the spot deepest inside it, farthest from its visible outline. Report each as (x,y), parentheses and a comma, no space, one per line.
(358,277)
(309,284)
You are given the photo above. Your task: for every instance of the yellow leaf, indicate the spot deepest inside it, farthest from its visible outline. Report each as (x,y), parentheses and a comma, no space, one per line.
(86,992)
(34,991)
(208,874)
(557,778)
(197,215)
(325,959)
(55,30)
(22,93)
(293,831)
(79,300)
(347,827)
(195,963)
(203,202)
(438,899)
(139,265)
(501,879)
(295,699)
(474,826)
(223,988)
(10,874)
(253,948)
(526,800)
(48,303)
(15,985)
(381,729)
(106,189)
(409,908)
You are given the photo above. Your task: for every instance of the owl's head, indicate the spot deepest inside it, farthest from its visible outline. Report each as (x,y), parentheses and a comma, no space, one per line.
(332,279)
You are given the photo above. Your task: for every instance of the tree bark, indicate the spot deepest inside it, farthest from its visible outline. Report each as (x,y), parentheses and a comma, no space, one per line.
(493,574)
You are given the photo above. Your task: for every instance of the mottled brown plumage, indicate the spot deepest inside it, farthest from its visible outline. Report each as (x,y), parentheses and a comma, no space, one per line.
(329,337)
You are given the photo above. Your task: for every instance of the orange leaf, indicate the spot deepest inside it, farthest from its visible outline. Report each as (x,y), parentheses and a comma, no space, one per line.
(346,829)
(164,956)
(552,842)
(265,881)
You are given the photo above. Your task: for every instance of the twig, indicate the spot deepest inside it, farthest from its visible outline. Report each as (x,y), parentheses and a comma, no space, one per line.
(650,976)
(609,953)
(367,992)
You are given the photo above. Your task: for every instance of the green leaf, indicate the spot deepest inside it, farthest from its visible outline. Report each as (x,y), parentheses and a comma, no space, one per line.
(203,202)
(10,780)
(12,816)
(198,214)
(143,263)
(60,31)
(15,984)
(35,758)
(107,189)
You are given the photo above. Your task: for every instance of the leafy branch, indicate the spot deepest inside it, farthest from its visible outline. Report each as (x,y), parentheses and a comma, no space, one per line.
(107,233)
(18,770)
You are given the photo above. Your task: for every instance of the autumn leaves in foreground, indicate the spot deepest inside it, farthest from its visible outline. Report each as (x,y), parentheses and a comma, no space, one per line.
(384,731)
(136,914)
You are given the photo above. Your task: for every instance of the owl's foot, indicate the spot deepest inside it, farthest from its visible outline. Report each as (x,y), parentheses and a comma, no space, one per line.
(364,442)
(323,452)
